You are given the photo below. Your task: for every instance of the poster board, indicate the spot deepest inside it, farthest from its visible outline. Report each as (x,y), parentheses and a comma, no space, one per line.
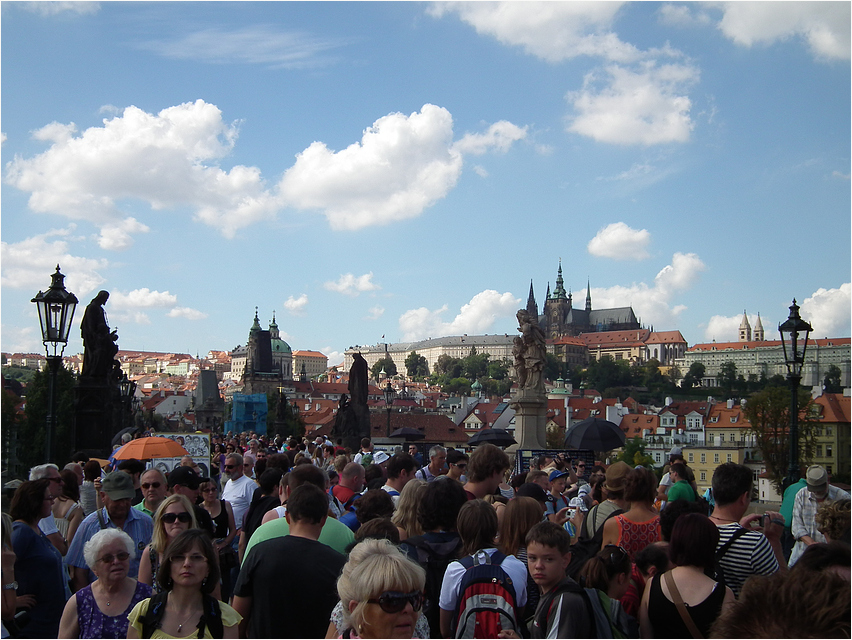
(197,445)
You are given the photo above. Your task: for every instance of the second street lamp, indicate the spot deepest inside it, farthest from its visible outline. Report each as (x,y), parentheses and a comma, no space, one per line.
(56,309)
(389,394)
(794,339)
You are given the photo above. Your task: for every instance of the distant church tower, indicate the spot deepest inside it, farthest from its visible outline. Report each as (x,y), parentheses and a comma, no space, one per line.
(758,330)
(556,307)
(588,297)
(532,307)
(745,329)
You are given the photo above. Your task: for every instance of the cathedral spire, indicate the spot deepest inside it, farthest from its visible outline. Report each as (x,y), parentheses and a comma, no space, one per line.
(759,334)
(532,307)
(588,297)
(559,291)
(745,329)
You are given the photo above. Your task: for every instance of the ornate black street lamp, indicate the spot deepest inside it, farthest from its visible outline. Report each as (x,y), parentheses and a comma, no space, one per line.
(389,395)
(55,312)
(794,338)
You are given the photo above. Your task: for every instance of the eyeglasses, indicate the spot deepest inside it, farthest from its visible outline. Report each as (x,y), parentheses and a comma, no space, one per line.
(616,554)
(195,558)
(183,516)
(460,465)
(108,558)
(395,601)
(581,466)
(230,466)
(151,485)
(209,490)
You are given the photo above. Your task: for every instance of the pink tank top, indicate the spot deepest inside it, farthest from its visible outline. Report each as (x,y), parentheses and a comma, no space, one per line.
(635,536)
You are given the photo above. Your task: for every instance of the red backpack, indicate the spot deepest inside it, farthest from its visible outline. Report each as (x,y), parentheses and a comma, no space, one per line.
(486,603)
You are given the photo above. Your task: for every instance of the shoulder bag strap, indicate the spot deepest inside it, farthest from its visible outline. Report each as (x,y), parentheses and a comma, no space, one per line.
(101,519)
(681,608)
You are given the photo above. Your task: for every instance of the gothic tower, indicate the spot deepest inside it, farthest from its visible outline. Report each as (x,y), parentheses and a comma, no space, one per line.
(745,329)
(588,297)
(758,334)
(532,307)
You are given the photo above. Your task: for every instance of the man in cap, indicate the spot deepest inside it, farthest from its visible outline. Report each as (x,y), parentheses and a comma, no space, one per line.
(808,500)
(558,480)
(185,481)
(116,493)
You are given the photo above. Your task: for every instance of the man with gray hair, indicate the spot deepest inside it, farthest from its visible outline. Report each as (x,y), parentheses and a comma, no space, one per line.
(435,468)
(48,525)
(239,489)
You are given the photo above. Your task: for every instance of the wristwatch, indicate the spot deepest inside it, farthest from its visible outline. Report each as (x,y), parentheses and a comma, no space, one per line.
(11,585)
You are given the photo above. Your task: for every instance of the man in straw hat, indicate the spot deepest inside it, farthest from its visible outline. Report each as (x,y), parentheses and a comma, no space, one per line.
(808,500)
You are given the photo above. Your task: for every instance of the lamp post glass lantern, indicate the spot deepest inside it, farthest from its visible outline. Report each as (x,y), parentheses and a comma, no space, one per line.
(794,340)
(56,309)
(389,395)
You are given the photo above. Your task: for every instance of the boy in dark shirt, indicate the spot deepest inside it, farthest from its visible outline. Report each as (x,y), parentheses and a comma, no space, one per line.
(562,611)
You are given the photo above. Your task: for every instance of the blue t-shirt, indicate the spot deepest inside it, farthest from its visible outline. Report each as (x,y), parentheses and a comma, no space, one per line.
(138,526)
(38,570)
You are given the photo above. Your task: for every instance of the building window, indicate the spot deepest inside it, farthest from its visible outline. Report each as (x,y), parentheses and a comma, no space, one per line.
(704,456)
(703,476)
(829,431)
(828,451)
(692,455)
(819,451)
(716,458)
(730,457)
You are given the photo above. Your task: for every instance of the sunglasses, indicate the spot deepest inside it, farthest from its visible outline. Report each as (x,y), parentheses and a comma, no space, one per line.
(461,465)
(151,485)
(616,554)
(230,466)
(121,557)
(395,601)
(170,518)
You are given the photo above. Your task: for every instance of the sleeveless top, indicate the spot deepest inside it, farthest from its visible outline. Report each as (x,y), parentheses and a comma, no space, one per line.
(221,522)
(95,624)
(666,621)
(64,522)
(635,536)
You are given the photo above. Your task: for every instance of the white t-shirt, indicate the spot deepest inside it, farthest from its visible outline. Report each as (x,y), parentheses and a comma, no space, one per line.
(394,494)
(455,571)
(238,493)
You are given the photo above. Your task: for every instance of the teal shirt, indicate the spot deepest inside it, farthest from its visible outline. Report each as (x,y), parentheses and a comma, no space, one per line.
(334,533)
(789,500)
(680,490)
(141,507)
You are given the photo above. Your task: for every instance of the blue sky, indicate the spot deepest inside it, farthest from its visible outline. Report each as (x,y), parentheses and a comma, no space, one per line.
(405,169)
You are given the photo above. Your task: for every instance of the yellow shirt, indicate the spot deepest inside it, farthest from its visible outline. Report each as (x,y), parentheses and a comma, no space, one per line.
(229,619)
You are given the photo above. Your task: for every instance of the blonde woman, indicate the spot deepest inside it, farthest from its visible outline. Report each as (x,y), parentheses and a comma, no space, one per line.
(174,516)
(405,516)
(381,592)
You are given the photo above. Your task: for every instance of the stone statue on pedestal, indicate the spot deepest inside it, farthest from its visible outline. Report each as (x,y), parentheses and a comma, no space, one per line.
(99,343)
(352,421)
(529,352)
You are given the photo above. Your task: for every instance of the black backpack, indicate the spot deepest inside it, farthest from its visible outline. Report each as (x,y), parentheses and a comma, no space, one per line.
(586,547)
(212,616)
(434,557)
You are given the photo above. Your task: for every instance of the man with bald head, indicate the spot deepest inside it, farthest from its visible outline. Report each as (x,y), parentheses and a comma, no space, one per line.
(350,485)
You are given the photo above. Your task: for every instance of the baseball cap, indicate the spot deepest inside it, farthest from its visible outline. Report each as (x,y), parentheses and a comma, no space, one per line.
(817,478)
(556,473)
(615,476)
(532,490)
(187,477)
(118,486)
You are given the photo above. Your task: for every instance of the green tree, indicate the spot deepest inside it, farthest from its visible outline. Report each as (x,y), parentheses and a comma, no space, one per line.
(554,368)
(694,376)
(448,366)
(768,411)
(607,373)
(727,377)
(832,379)
(475,366)
(385,363)
(498,369)
(416,366)
(634,453)
(460,386)
(493,387)
(31,430)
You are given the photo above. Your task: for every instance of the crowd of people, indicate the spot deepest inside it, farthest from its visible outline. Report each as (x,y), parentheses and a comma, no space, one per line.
(306,539)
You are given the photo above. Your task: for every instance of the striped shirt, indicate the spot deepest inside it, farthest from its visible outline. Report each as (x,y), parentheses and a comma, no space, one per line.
(749,555)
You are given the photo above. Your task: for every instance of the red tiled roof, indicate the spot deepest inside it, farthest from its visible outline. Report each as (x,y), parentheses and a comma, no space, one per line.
(721,346)
(612,338)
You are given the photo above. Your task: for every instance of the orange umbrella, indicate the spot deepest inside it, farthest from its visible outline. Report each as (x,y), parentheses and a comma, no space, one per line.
(147,448)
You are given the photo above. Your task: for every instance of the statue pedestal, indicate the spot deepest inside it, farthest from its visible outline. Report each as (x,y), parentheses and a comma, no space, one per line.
(93,417)
(530,420)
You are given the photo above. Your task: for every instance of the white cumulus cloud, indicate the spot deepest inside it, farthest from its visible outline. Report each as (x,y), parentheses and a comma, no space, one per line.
(655,304)
(47,8)
(167,160)
(643,106)
(553,31)
(475,317)
(117,237)
(296,306)
(727,328)
(402,165)
(376,312)
(187,313)
(141,298)
(335,357)
(620,242)
(352,285)
(28,264)
(828,311)
(823,25)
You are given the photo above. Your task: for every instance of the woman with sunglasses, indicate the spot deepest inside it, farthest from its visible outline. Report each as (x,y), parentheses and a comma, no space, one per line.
(100,609)
(38,564)
(185,609)
(381,591)
(174,515)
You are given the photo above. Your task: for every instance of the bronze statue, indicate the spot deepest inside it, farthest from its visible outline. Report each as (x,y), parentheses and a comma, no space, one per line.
(99,343)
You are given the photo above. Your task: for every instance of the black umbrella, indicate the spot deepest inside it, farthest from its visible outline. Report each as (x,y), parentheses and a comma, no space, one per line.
(408,433)
(595,434)
(117,437)
(497,437)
